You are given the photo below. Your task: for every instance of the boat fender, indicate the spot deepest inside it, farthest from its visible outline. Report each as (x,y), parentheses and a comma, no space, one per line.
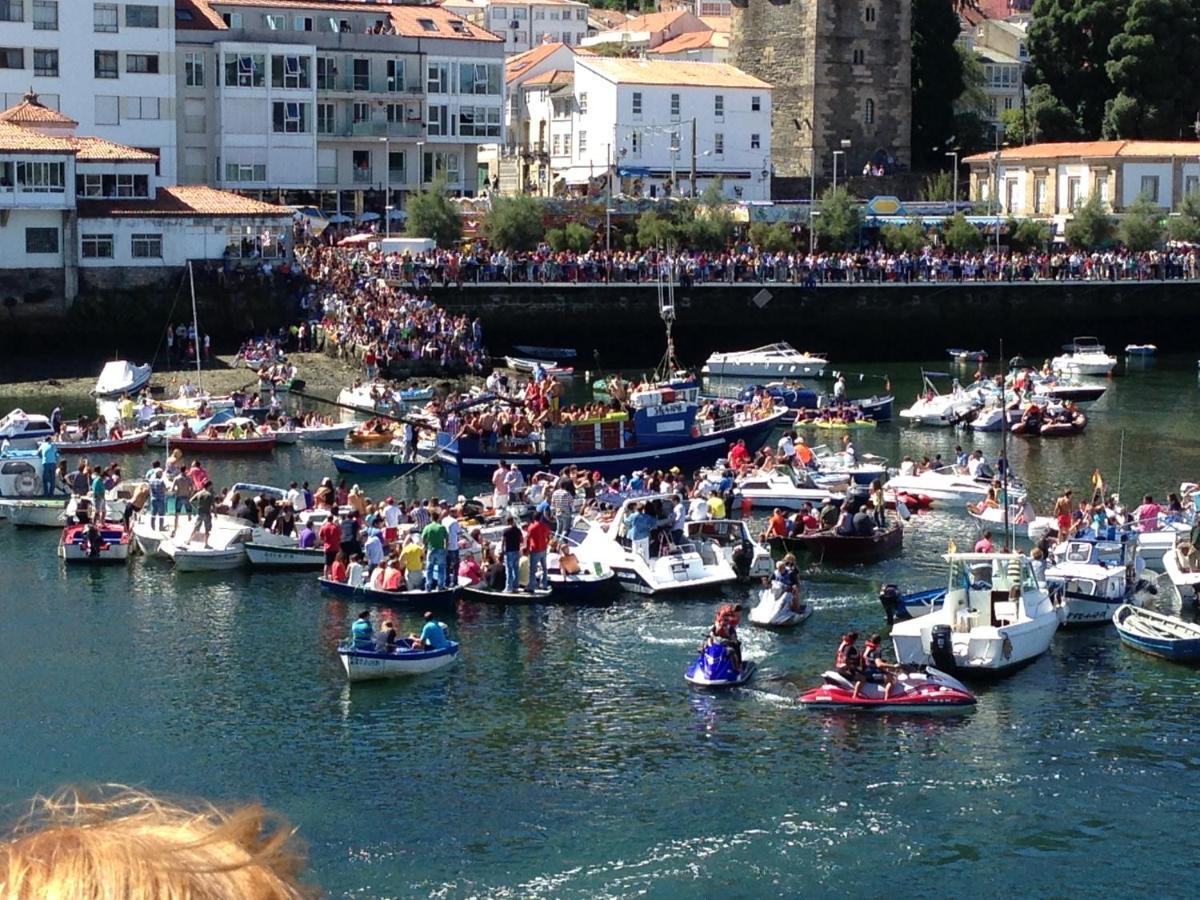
(1006,648)
(28,485)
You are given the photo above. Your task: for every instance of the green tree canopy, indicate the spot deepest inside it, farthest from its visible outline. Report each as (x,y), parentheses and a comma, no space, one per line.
(773,238)
(1091,226)
(907,238)
(960,235)
(514,222)
(838,219)
(1026,234)
(1043,119)
(937,77)
(1186,225)
(655,230)
(1141,225)
(432,215)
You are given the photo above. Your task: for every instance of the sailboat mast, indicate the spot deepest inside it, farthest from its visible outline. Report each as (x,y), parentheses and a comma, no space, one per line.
(1004,442)
(195,318)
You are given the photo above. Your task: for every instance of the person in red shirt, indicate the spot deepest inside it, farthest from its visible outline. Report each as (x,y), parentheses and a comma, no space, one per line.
(777,525)
(340,571)
(330,536)
(739,456)
(537,542)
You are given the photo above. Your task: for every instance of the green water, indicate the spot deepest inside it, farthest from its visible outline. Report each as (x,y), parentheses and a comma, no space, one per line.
(564,756)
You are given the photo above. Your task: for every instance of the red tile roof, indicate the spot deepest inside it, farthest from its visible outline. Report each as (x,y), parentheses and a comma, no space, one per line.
(194,15)
(1094,150)
(94,149)
(692,40)
(405,19)
(15,138)
(550,77)
(518,65)
(30,111)
(183,200)
(994,9)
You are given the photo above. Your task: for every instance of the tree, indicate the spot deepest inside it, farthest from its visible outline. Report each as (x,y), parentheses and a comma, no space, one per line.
(514,222)
(1043,119)
(713,228)
(1069,46)
(1151,66)
(773,238)
(578,237)
(960,235)
(1090,226)
(1141,226)
(654,230)
(1026,235)
(973,130)
(432,215)
(938,187)
(907,238)
(937,77)
(1186,226)
(838,219)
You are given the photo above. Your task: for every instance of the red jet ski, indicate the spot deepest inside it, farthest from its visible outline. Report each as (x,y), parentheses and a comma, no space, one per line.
(930,691)
(912,501)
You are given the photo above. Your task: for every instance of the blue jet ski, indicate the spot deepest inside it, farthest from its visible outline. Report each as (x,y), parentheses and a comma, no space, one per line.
(713,668)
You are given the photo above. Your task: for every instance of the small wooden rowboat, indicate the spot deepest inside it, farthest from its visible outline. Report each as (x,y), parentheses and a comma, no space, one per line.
(1166,637)
(257,444)
(839,548)
(124,444)
(364,665)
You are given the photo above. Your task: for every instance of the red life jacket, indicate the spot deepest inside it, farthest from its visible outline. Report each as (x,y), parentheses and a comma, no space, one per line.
(847,656)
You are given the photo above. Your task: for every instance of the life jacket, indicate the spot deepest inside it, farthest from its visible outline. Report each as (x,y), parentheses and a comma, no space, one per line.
(870,656)
(847,656)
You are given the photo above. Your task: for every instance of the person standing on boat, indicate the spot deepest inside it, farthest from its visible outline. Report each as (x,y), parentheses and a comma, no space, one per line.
(413,556)
(48,453)
(99,491)
(562,508)
(158,496)
(537,541)
(202,502)
(453,544)
(500,486)
(1062,514)
(512,538)
(434,536)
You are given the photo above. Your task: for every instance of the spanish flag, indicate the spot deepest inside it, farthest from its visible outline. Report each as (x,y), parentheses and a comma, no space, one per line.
(1097,482)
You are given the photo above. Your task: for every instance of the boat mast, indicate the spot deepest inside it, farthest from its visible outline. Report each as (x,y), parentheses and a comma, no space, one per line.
(1004,443)
(195,320)
(666,311)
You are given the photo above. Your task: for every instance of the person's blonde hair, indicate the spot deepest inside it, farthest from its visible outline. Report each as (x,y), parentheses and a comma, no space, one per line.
(130,844)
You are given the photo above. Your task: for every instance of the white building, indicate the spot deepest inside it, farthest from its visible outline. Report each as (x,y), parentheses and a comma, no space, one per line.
(109,66)
(71,205)
(694,46)
(644,33)
(656,122)
(526,25)
(344,104)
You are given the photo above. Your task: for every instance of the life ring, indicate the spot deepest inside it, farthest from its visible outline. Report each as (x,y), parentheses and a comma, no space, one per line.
(28,485)
(1006,648)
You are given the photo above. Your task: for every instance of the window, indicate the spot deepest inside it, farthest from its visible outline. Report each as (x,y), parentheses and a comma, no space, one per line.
(139,16)
(289,118)
(45,62)
(556,146)
(519,13)
(13,57)
(326,73)
(245,172)
(289,72)
(869,112)
(96,185)
(859,56)
(105,17)
(719,107)
(582,143)
(635,143)
(439,78)
(539,14)
(755,142)
(244,70)
(637,103)
(395,74)
(566,145)
(674,106)
(397,167)
(12,10)
(1073,195)
(361,67)
(232,19)
(581,15)
(360,111)
(1191,185)
(1039,194)
(755,103)
(718,144)
(141,63)
(869,13)
(145,246)
(6,176)
(96,246)
(427,24)
(41,177)
(193,68)
(437,121)
(1150,188)
(108,109)
(302,23)
(394,111)
(439,163)
(360,162)
(141,107)
(499,12)
(45,15)
(275,22)
(479,121)
(326,120)
(675,145)
(583,104)
(478,78)
(41,240)
(1010,195)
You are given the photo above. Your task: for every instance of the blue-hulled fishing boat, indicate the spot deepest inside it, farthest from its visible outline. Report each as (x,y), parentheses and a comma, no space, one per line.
(375,462)
(1166,637)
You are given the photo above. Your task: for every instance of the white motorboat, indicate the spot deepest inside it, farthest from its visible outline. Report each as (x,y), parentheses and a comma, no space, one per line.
(947,486)
(108,544)
(787,488)
(266,550)
(20,474)
(779,360)
(322,433)
(943,410)
(1095,576)
(1030,529)
(149,539)
(774,610)
(996,617)
(1141,349)
(35,512)
(860,469)
(731,540)
(1154,545)
(376,397)
(121,377)
(24,431)
(1084,356)
(1182,565)
(529,366)
(364,665)
(657,565)
(226,550)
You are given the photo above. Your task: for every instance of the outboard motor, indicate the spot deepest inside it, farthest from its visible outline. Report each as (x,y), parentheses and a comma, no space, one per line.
(889,598)
(941,647)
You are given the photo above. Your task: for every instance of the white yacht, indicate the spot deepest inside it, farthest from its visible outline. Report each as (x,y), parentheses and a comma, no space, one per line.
(780,360)
(947,486)
(995,618)
(1084,356)
(787,488)
(23,430)
(723,538)
(1095,576)
(657,565)
(942,410)
(226,550)
(1182,566)
(121,377)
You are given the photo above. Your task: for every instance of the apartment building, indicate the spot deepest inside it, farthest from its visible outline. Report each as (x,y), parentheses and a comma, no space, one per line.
(108,66)
(526,25)
(346,104)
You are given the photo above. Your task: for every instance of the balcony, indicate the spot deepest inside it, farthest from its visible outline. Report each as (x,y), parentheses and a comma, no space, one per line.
(380,130)
(362,175)
(361,84)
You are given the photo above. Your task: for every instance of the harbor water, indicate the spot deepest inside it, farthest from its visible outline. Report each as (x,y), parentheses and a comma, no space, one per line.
(564,755)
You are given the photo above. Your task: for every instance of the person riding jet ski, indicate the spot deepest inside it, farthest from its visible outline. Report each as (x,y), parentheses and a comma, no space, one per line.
(724,632)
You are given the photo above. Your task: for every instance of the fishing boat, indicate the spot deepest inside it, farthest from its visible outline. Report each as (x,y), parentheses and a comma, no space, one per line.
(226,550)
(110,546)
(223,445)
(545,352)
(376,462)
(1084,356)
(381,398)
(333,434)
(1166,637)
(928,691)
(34,512)
(909,606)
(1142,350)
(125,444)
(23,430)
(1183,566)
(732,540)
(857,469)
(530,366)
(371,434)
(831,547)
(657,566)
(414,599)
(149,539)
(121,377)
(282,555)
(1029,529)
(967,355)
(365,665)
(1093,576)
(778,360)
(483,594)
(1050,421)
(787,488)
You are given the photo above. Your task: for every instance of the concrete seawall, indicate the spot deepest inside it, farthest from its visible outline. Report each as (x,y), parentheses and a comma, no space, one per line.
(621,321)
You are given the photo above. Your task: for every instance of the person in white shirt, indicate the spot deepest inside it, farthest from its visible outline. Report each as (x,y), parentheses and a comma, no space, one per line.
(501,486)
(974,463)
(698,509)
(373,548)
(295,496)
(787,447)
(391,513)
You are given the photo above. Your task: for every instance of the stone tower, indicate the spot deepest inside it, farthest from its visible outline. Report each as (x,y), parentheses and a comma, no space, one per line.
(841,71)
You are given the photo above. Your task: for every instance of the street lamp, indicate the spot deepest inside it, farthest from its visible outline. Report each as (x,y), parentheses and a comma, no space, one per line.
(387,184)
(954,175)
(421,165)
(845,143)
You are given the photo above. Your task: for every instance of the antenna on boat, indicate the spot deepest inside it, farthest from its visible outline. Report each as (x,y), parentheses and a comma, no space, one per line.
(1004,445)
(666,311)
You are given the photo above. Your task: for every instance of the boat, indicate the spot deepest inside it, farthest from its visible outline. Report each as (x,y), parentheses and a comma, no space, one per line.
(545,352)
(369,435)
(996,616)
(265,550)
(661,566)
(947,487)
(860,470)
(787,488)
(775,610)
(34,512)
(713,668)
(222,445)
(1050,421)
(663,429)
(731,540)
(1140,349)
(376,462)
(1093,576)
(1182,567)
(936,409)
(126,444)
(967,355)
(1084,356)
(1166,637)
(323,433)
(365,665)
(521,597)
(226,550)
(381,398)
(778,360)
(414,599)
(928,691)
(74,546)
(21,474)
(831,547)
(121,377)
(585,586)
(529,366)
(909,606)
(149,539)
(993,517)
(24,431)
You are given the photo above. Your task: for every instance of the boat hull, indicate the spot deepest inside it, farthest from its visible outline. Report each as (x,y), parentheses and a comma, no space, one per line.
(266,556)
(414,599)
(375,463)
(116,445)
(836,548)
(34,513)
(221,446)
(197,559)
(367,665)
(988,655)
(1175,649)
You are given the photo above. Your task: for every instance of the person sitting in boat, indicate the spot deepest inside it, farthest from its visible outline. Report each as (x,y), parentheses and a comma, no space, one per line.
(984,544)
(1146,515)
(361,632)
(864,520)
(724,632)
(385,637)
(875,670)
(988,502)
(340,570)
(568,562)
(847,662)
(432,636)
(786,581)
(804,454)
(739,456)
(845,523)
